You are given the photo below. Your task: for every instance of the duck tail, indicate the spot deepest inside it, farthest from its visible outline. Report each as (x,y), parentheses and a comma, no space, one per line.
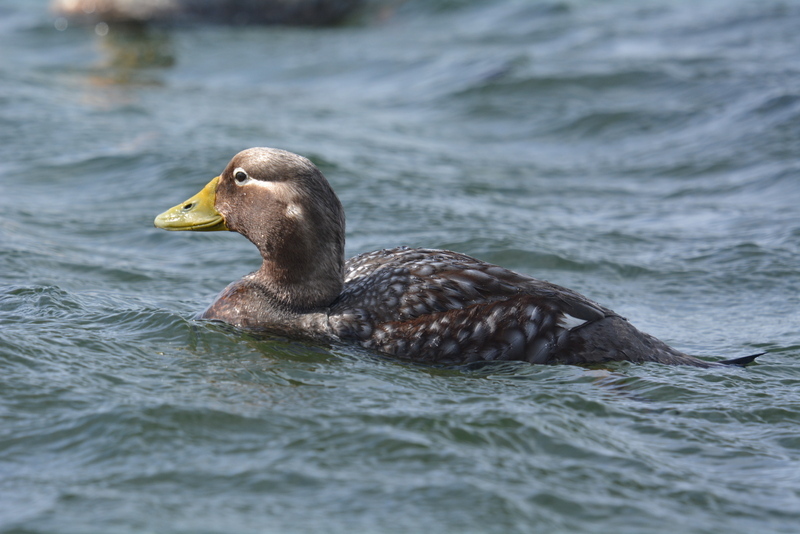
(741,362)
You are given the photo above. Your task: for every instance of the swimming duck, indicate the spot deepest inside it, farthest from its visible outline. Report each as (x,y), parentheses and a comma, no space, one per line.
(295,12)
(431,306)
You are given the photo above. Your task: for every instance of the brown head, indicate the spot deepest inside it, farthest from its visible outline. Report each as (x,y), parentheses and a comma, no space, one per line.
(284,205)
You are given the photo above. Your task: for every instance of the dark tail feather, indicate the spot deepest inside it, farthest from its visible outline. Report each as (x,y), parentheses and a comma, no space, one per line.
(741,362)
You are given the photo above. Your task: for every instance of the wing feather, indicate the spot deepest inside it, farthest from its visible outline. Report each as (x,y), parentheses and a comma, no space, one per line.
(441,306)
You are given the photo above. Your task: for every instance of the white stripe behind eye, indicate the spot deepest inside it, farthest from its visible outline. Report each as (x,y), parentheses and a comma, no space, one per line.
(285,191)
(271,186)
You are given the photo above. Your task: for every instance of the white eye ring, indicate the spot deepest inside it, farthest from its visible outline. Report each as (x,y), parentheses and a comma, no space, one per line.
(240,176)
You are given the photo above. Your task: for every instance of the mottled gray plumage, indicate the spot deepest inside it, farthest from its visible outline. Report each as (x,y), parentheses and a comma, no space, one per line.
(425,305)
(439,306)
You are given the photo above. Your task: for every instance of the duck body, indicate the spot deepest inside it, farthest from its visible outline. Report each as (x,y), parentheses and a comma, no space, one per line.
(425,305)
(441,307)
(290,12)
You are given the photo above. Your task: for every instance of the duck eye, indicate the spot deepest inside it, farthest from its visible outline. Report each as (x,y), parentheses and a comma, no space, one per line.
(240,177)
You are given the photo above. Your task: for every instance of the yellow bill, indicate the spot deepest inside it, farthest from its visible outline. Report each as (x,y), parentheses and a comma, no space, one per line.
(196,214)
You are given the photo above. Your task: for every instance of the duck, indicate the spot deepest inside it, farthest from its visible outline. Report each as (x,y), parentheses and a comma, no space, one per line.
(288,12)
(415,304)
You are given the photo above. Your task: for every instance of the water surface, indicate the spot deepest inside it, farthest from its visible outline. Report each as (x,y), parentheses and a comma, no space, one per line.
(644,155)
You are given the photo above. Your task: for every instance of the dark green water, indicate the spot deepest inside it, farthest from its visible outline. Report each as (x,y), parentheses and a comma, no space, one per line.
(645,154)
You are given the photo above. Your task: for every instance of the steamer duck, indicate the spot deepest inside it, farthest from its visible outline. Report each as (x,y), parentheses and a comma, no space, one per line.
(430,306)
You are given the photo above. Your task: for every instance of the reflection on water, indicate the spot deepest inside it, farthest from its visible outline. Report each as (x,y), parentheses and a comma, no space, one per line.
(130,54)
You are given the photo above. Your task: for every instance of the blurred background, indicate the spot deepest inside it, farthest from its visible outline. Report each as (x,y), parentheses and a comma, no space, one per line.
(642,153)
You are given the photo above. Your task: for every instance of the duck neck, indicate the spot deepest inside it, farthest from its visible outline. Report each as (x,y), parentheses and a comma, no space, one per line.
(305,282)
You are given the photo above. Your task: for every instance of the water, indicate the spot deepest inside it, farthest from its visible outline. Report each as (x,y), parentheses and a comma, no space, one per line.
(645,155)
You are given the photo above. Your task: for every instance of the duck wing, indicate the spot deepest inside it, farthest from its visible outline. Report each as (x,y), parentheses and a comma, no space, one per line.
(439,306)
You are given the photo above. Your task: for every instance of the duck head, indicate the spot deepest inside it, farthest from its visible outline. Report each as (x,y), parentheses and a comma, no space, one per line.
(284,205)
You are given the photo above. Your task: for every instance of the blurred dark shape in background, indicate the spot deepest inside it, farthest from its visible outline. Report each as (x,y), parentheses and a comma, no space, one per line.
(241,12)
